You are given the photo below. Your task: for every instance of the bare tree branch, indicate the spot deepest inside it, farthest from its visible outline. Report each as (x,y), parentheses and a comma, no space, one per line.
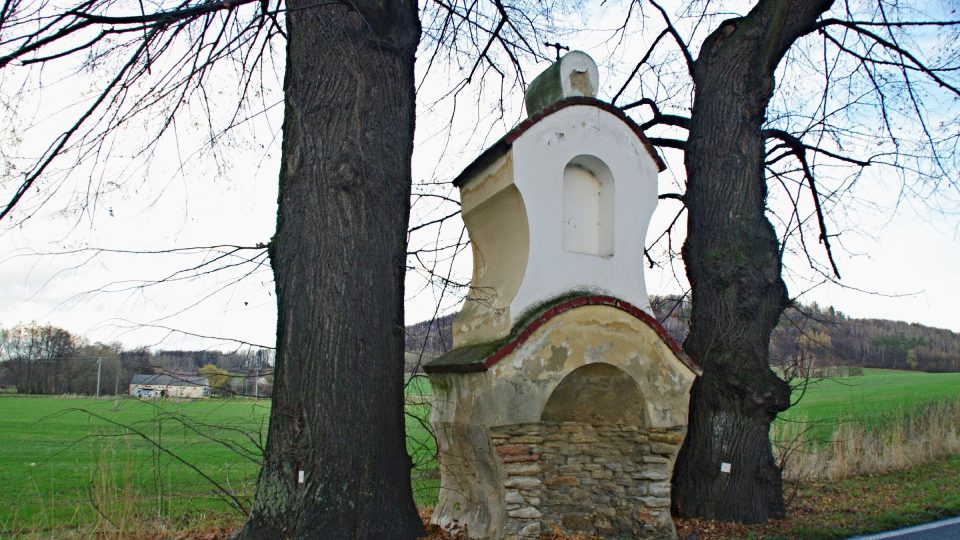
(676,37)
(799,151)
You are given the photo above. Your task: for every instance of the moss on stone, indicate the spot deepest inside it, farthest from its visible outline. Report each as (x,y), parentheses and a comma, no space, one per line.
(464,357)
(471,357)
(544,90)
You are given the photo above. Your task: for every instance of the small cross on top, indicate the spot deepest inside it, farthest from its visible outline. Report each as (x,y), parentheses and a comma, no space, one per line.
(556,46)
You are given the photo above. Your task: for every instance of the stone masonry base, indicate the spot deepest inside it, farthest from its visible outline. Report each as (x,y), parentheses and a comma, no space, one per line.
(601,479)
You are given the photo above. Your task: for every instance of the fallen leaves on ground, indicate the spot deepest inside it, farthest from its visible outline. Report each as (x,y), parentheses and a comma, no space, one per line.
(815,510)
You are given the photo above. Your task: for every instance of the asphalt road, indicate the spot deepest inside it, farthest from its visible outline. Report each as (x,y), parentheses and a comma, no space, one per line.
(947,529)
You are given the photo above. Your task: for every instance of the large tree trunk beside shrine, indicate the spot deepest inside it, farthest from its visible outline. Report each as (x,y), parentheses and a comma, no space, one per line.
(338,259)
(733,263)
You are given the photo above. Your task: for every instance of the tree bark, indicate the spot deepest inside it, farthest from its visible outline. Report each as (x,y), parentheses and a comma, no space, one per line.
(733,263)
(338,258)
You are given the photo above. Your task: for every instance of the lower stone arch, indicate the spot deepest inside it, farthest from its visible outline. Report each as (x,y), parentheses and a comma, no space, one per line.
(590,465)
(596,393)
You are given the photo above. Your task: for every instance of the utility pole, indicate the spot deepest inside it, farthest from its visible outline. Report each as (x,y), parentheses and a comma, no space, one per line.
(99,368)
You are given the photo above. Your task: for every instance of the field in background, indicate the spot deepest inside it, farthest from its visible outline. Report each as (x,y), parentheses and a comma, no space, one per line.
(878,422)
(61,459)
(110,464)
(869,400)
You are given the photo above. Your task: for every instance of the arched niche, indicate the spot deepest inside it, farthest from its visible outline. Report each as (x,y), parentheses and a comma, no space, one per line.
(594,394)
(588,194)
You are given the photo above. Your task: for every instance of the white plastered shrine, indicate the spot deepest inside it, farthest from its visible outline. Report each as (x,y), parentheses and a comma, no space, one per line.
(562,203)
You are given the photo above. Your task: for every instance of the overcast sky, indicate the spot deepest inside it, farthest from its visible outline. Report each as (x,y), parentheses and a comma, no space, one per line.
(898,258)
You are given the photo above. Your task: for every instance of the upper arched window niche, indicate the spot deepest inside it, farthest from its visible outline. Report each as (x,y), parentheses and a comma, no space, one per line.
(588,191)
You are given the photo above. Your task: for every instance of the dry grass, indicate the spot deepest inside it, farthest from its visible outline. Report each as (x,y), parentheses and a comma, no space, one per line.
(924,435)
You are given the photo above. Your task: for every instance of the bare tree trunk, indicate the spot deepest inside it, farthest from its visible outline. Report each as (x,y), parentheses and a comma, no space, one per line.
(733,264)
(338,258)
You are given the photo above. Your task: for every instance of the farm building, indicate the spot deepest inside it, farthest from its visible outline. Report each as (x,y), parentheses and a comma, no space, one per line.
(152,385)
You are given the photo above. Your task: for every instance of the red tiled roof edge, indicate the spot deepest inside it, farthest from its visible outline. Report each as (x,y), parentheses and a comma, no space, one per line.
(500,147)
(590,300)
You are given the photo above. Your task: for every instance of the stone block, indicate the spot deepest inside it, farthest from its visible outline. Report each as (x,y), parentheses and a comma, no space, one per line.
(521,468)
(663,448)
(520,459)
(522,482)
(655,502)
(513,449)
(601,474)
(532,529)
(527,512)
(513,497)
(672,438)
(659,490)
(615,489)
(563,481)
(651,475)
(583,438)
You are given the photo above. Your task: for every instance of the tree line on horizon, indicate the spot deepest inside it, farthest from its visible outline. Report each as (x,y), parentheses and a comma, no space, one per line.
(807,337)
(44,359)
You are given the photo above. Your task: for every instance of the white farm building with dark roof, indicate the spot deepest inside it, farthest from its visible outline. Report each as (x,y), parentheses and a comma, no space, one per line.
(153,386)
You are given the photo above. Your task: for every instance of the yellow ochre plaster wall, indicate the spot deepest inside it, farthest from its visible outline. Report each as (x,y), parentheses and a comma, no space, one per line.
(494,213)
(467,406)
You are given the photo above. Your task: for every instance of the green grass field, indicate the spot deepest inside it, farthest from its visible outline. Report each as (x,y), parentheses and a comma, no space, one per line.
(872,399)
(66,456)
(61,457)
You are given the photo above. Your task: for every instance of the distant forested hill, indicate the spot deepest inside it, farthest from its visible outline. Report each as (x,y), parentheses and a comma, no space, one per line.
(808,335)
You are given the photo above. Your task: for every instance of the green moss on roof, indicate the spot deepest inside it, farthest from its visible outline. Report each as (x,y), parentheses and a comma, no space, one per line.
(471,357)
(531,314)
(544,90)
